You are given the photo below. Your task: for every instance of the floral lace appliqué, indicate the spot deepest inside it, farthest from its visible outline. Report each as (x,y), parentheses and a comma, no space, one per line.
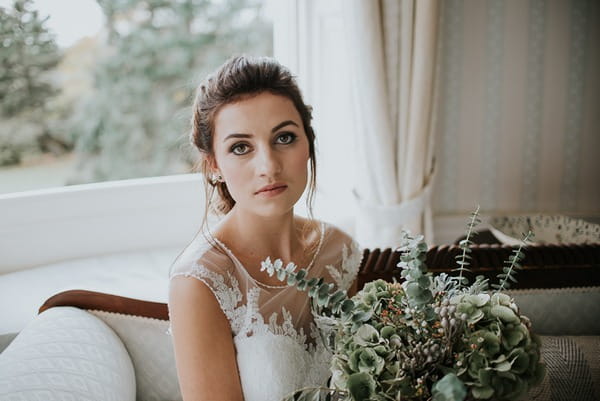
(351,259)
(255,322)
(228,296)
(247,319)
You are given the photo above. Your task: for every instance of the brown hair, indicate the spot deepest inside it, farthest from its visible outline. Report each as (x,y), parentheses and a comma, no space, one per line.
(237,79)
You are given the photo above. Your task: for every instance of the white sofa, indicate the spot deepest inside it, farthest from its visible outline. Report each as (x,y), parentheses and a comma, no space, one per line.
(105,347)
(116,237)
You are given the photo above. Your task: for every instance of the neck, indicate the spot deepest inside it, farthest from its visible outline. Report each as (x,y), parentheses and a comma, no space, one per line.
(256,237)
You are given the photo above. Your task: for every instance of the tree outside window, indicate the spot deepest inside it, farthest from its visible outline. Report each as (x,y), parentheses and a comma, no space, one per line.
(117,104)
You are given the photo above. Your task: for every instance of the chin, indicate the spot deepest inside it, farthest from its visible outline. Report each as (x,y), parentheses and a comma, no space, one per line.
(274,209)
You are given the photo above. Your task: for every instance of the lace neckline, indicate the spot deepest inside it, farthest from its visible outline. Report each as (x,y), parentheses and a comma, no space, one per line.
(259,283)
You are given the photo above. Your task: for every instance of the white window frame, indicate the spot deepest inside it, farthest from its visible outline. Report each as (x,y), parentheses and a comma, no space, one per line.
(308,39)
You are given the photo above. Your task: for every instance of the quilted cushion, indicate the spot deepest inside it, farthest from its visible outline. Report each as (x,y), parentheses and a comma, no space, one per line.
(66,354)
(151,353)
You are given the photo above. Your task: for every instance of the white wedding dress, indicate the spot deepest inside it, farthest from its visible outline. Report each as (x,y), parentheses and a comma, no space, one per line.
(278,347)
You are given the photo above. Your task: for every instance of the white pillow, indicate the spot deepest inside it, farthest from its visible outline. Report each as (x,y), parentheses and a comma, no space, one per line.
(151,351)
(66,354)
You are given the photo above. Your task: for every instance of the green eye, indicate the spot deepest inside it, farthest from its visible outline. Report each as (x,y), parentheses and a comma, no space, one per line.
(286,138)
(239,149)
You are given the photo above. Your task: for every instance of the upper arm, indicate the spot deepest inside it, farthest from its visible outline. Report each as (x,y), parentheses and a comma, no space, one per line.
(203,343)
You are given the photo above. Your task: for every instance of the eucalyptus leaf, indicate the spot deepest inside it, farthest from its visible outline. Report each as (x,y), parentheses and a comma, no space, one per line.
(361,386)
(347,306)
(338,296)
(482,393)
(323,300)
(504,313)
(449,388)
(301,274)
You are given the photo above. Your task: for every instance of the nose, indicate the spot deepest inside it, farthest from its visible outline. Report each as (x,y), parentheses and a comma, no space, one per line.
(267,162)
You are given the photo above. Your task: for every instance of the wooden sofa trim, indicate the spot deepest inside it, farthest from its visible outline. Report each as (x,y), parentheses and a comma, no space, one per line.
(544,266)
(91,300)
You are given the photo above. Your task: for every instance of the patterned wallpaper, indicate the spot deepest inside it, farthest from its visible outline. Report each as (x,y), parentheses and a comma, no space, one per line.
(518,123)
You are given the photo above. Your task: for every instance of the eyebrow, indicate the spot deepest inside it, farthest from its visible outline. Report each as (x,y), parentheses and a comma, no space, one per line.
(275,129)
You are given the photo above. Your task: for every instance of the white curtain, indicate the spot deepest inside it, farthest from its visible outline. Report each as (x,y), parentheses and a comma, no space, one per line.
(392,48)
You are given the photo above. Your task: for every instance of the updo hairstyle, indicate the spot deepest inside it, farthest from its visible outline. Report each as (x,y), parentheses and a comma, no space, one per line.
(240,78)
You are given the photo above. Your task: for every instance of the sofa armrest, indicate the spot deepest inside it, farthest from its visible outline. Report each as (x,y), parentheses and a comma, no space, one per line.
(66,353)
(92,300)
(143,327)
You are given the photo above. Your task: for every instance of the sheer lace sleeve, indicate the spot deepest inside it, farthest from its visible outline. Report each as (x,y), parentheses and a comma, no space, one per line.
(344,270)
(217,273)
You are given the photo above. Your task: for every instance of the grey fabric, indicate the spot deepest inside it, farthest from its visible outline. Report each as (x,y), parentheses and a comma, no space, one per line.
(570,311)
(6,339)
(572,369)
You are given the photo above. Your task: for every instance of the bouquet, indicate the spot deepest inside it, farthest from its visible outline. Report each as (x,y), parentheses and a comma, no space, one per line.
(427,338)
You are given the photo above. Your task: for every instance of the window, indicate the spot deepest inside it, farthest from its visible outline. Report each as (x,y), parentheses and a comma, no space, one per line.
(309,38)
(113,102)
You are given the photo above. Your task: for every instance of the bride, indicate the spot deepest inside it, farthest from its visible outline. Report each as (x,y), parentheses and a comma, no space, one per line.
(239,334)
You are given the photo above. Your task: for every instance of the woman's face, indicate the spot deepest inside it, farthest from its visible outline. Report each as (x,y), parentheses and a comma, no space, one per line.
(261,150)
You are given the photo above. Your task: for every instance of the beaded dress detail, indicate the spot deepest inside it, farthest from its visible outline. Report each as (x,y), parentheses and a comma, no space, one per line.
(278,347)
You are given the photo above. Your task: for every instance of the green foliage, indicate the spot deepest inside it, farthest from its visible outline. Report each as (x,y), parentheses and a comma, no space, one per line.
(512,264)
(434,339)
(498,356)
(463,260)
(315,394)
(28,53)
(449,388)
(28,56)
(412,262)
(326,296)
(134,123)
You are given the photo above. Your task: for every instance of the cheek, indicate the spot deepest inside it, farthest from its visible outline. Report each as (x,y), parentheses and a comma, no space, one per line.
(300,161)
(235,176)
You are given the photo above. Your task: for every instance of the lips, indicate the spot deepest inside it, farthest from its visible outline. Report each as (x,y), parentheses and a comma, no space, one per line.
(271,188)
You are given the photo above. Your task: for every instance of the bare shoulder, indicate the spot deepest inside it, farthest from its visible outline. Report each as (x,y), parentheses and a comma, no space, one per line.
(338,234)
(202,341)
(201,332)
(185,293)
(201,254)
(193,308)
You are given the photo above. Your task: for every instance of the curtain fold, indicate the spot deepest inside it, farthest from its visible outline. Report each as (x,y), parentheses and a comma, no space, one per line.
(392,48)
